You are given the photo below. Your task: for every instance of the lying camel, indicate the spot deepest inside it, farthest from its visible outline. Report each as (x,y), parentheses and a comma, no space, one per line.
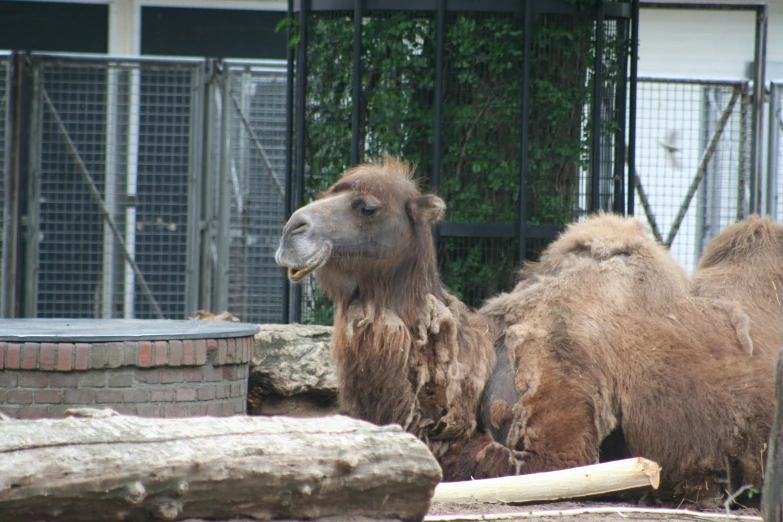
(601,337)
(744,264)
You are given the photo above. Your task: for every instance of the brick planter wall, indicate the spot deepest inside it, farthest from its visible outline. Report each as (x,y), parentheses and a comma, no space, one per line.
(174,378)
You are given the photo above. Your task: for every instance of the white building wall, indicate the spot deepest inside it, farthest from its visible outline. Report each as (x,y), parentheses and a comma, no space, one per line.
(695,44)
(705,43)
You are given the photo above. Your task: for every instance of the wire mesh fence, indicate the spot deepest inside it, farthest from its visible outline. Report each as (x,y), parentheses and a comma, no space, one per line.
(170,105)
(145,199)
(111,163)
(692,160)
(156,187)
(256,133)
(126,179)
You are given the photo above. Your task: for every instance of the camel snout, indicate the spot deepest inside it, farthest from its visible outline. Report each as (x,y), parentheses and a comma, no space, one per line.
(298,224)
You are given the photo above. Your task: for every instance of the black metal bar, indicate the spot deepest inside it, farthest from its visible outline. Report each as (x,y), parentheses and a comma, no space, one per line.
(757,117)
(440,35)
(497,230)
(437,127)
(620,135)
(356,81)
(301,92)
(595,153)
(523,160)
(612,10)
(289,140)
(630,189)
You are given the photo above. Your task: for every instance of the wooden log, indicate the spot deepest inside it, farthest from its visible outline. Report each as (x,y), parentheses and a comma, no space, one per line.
(122,467)
(772,493)
(578,482)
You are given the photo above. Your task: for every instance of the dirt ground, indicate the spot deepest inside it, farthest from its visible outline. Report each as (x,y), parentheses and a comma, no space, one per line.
(442,508)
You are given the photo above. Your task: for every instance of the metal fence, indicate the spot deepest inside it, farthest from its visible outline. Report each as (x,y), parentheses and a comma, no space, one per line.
(254,135)
(693,168)
(775,151)
(154,187)
(113,161)
(484,122)
(129,162)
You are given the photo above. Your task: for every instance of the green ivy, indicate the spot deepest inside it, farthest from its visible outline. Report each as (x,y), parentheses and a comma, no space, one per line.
(481,124)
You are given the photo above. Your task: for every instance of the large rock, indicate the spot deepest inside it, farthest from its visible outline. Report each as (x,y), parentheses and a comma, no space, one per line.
(292,371)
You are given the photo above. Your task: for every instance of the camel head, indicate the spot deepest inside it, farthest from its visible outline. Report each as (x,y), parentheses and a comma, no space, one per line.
(363,233)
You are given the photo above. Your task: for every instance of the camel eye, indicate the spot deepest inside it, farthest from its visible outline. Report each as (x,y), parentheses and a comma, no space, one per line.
(366,206)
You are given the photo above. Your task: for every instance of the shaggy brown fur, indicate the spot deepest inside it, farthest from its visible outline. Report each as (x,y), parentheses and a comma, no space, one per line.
(407,351)
(602,335)
(744,264)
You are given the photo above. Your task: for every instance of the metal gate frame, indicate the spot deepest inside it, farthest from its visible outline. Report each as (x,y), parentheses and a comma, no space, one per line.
(41,103)
(773,146)
(226,176)
(108,182)
(7,235)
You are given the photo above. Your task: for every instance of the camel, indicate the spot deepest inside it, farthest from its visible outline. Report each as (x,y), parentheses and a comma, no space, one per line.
(744,264)
(601,341)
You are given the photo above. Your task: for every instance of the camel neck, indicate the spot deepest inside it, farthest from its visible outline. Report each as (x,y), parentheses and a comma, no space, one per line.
(399,285)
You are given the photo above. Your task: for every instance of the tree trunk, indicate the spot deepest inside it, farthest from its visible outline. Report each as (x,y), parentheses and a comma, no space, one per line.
(122,467)
(772,496)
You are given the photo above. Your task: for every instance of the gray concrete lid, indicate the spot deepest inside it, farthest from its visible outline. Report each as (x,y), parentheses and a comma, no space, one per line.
(103,330)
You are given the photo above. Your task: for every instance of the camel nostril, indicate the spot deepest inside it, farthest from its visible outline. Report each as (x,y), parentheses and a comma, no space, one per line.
(301,229)
(297,225)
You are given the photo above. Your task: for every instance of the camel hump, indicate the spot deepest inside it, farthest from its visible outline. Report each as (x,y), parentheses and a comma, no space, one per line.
(601,237)
(757,239)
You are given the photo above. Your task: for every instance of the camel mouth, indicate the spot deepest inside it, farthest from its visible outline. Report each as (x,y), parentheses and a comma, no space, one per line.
(315,262)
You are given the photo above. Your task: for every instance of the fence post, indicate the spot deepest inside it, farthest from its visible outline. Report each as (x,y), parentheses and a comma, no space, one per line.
(525,133)
(620,152)
(32,219)
(630,189)
(356,83)
(10,181)
(110,190)
(131,183)
(289,141)
(597,105)
(209,188)
(224,208)
(773,150)
(300,126)
(196,170)
(759,59)
(746,176)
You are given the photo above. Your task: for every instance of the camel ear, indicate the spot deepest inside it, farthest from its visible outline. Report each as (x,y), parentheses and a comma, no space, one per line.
(426,209)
